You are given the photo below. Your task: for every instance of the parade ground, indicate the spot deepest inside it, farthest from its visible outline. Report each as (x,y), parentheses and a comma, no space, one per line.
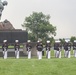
(24,66)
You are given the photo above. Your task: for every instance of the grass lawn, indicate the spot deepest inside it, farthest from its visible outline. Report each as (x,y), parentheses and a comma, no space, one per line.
(24,66)
(52,66)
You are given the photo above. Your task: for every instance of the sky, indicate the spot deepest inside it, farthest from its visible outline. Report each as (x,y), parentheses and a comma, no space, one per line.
(62,12)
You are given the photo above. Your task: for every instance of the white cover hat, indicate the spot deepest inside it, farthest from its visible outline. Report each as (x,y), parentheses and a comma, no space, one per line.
(16,40)
(57,41)
(48,41)
(67,40)
(4,40)
(74,40)
(38,41)
(28,41)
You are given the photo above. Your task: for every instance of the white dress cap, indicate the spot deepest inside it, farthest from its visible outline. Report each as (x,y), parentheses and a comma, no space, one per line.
(4,40)
(38,41)
(16,40)
(74,40)
(28,41)
(48,41)
(57,41)
(67,40)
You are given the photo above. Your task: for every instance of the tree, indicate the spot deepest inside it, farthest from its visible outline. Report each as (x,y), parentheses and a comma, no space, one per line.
(72,39)
(31,37)
(62,40)
(38,24)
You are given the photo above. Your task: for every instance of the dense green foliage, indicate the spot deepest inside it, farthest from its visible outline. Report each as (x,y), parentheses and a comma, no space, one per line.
(72,39)
(39,26)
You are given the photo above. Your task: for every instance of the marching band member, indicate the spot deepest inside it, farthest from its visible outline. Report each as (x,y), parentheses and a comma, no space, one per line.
(57,48)
(67,48)
(5,47)
(39,48)
(48,46)
(29,47)
(17,46)
(74,48)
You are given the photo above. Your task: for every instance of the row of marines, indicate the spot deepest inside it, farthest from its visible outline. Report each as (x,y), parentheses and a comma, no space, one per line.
(39,47)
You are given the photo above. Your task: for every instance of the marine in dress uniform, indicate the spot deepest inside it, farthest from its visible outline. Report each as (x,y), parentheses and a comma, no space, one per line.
(17,46)
(29,47)
(74,48)
(48,47)
(67,48)
(39,48)
(5,47)
(57,48)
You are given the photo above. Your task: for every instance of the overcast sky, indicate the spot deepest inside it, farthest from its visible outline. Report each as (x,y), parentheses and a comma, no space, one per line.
(62,12)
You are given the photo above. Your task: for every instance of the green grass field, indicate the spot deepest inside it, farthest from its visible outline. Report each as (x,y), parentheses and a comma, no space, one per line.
(52,66)
(24,66)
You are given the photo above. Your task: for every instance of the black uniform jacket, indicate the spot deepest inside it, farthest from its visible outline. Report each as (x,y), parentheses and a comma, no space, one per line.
(39,47)
(28,46)
(74,46)
(5,45)
(47,46)
(17,45)
(57,46)
(67,46)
